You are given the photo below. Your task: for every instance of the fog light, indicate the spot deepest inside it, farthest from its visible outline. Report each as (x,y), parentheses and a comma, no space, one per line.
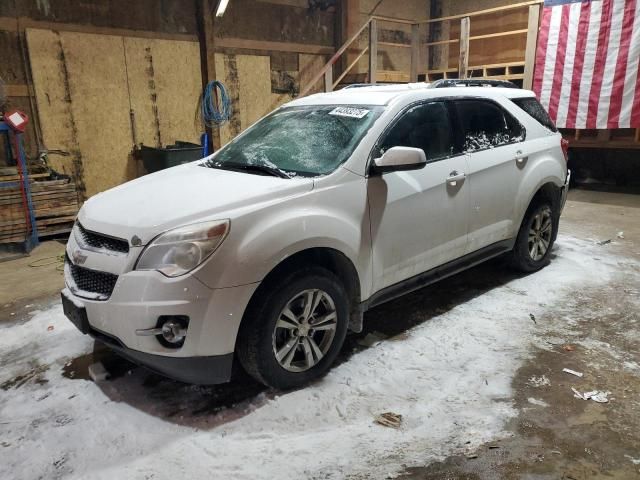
(173,332)
(170,330)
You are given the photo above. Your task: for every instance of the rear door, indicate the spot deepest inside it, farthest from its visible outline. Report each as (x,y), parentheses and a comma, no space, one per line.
(493,140)
(419,218)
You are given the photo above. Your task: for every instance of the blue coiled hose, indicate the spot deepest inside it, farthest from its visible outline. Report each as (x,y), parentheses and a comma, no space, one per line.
(212,115)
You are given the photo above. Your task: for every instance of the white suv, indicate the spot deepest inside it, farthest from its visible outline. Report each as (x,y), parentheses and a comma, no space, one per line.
(272,248)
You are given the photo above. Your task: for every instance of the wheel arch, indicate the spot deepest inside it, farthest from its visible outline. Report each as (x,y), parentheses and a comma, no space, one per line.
(550,191)
(325,257)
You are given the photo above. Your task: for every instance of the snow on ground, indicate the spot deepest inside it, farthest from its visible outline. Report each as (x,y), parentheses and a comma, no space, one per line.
(449,377)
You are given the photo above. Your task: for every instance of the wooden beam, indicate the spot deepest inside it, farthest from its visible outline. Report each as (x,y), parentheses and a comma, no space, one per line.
(373,50)
(480,37)
(350,21)
(206,19)
(9,24)
(350,66)
(333,59)
(394,20)
(603,135)
(13,24)
(499,34)
(273,46)
(442,42)
(484,12)
(394,44)
(328,80)
(415,52)
(463,60)
(16,90)
(532,42)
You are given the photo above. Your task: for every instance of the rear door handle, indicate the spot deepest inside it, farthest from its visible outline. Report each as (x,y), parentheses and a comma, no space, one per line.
(455,177)
(520,159)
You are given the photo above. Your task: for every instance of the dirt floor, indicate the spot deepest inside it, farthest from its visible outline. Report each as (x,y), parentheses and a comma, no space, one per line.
(555,435)
(29,281)
(482,396)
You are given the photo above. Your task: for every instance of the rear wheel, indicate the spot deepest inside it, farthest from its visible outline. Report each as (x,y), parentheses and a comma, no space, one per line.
(535,238)
(294,330)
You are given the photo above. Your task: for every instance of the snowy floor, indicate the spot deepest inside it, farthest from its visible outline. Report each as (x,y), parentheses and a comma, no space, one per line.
(449,377)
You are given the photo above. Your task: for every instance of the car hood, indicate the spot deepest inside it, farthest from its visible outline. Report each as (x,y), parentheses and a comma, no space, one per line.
(178,196)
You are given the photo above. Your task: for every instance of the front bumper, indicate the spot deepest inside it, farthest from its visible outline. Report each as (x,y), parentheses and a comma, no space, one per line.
(139,298)
(199,370)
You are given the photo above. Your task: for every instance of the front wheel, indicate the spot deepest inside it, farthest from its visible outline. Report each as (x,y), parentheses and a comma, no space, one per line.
(294,330)
(535,239)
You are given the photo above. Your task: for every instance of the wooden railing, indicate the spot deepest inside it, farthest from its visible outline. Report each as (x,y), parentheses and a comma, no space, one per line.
(327,72)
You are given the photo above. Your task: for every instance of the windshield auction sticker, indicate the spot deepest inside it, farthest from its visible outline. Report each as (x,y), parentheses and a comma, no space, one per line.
(349,112)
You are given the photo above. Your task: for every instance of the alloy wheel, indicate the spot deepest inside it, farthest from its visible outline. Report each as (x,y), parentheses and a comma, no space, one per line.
(304,330)
(540,234)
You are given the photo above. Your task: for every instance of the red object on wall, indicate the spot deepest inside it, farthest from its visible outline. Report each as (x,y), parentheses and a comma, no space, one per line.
(17,120)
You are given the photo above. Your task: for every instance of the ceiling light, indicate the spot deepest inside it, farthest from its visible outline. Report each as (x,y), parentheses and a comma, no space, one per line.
(222,6)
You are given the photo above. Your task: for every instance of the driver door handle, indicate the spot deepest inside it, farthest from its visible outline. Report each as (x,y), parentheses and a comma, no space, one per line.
(455,177)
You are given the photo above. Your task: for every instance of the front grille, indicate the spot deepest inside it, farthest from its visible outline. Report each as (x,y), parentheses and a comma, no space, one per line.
(98,240)
(89,283)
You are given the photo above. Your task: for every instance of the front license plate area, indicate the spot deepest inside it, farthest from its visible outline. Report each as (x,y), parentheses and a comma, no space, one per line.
(77,315)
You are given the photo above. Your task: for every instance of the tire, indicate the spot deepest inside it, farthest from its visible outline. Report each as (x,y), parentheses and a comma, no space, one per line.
(536,237)
(278,344)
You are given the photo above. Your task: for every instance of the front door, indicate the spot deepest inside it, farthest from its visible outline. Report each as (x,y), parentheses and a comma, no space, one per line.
(419,218)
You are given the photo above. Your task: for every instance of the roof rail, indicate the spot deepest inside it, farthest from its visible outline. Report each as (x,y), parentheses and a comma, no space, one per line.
(361,85)
(472,82)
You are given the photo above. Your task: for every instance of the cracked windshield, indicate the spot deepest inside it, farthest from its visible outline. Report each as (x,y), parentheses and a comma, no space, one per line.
(306,141)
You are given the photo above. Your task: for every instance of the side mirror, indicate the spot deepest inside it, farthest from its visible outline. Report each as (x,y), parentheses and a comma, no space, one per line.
(400,159)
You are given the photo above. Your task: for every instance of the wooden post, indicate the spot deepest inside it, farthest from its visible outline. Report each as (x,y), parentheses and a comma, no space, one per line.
(350,22)
(206,15)
(328,79)
(373,50)
(463,61)
(415,52)
(530,51)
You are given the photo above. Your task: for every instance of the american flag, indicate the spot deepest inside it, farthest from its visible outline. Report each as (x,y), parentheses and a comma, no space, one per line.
(586,73)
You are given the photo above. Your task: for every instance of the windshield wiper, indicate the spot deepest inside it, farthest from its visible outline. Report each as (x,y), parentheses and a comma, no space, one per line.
(246,167)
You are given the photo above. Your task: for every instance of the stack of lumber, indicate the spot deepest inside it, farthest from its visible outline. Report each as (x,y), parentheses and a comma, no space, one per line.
(55,204)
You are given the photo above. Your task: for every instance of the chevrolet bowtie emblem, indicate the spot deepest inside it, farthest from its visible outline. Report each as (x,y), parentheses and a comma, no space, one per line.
(79,258)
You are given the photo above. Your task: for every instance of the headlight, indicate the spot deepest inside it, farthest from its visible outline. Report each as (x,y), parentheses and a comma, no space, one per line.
(179,251)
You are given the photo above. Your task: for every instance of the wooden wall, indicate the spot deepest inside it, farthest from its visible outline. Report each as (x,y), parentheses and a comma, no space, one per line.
(497,50)
(91,104)
(79,68)
(392,58)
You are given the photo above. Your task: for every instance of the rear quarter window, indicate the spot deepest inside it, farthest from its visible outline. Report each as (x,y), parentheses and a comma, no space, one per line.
(534,109)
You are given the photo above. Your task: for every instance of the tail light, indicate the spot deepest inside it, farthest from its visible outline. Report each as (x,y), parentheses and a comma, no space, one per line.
(564,143)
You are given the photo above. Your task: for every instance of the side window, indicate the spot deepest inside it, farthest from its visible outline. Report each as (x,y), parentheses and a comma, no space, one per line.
(537,111)
(424,126)
(486,125)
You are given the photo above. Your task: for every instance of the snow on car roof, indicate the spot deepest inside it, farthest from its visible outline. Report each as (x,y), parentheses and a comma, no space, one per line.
(385,94)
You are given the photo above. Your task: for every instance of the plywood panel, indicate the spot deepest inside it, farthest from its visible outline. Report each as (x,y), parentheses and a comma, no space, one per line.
(165,83)
(86,87)
(248,80)
(254,73)
(53,99)
(100,104)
